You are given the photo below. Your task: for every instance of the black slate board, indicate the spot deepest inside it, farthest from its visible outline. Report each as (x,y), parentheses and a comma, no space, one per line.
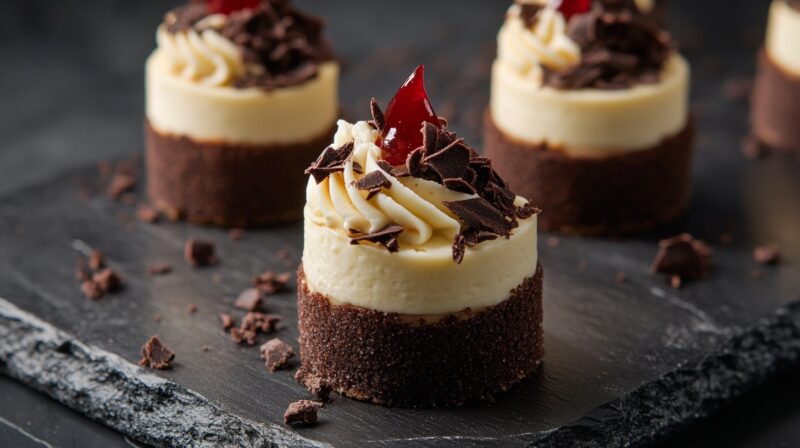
(604,340)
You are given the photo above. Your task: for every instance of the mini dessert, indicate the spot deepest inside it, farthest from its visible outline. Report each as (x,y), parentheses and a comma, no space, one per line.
(776,96)
(420,284)
(589,116)
(241,94)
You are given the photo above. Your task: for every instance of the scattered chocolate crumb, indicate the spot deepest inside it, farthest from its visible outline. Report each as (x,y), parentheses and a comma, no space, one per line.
(621,277)
(192,308)
(159,269)
(553,241)
(206,348)
(253,324)
(752,148)
(315,384)
(284,255)
(270,282)
(82,271)
(277,354)
(249,300)
(682,256)
(156,355)
(92,290)
(675,281)
(120,184)
(236,234)
(108,280)
(227,321)
(199,252)
(97,260)
(146,213)
(302,413)
(768,254)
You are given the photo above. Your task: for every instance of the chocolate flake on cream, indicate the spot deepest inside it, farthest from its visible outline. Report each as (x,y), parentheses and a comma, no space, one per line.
(372,183)
(386,237)
(331,160)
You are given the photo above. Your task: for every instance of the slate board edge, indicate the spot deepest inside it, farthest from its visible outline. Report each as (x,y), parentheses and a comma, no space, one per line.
(121,395)
(767,350)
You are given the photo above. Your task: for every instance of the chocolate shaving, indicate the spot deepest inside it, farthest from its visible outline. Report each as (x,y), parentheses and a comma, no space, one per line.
(377,114)
(682,256)
(156,355)
(227,321)
(185,17)
(302,413)
(386,237)
(249,300)
(528,13)
(480,214)
(373,182)
(331,160)
(276,354)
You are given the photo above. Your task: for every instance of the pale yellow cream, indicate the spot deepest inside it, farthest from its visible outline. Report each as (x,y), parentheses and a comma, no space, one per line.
(422,277)
(783,36)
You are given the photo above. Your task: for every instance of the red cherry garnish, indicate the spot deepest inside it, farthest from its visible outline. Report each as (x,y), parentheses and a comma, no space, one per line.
(410,107)
(571,7)
(228,6)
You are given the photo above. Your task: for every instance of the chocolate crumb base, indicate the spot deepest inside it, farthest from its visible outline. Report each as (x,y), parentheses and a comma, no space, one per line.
(387,359)
(776,106)
(228,185)
(615,195)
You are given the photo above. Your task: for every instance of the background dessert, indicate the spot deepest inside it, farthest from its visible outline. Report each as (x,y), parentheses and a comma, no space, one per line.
(240,96)
(589,116)
(420,283)
(776,98)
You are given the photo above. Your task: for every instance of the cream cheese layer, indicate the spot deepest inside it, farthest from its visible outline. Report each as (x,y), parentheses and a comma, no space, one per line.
(783,36)
(179,104)
(421,278)
(590,122)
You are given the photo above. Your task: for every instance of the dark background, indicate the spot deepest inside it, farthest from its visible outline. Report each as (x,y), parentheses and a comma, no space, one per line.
(71,94)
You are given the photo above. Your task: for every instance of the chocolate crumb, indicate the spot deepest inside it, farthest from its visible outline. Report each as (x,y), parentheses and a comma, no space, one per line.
(302,413)
(199,252)
(752,148)
(227,321)
(206,348)
(675,281)
(97,260)
(253,324)
(553,241)
(192,308)
(156,355)
(277,354)
(270,282)
(92,290)
(682,256)
(158,269)
(249,300)
(769,254)
(120,184)
(145,213)
(108,280)
(315,384)
(236,234)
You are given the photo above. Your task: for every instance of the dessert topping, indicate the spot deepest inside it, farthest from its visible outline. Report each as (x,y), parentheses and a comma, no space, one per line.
(407,111)
(386,237)
(156,355)
(331,160)
(373,183)
(277,354)
(229,6)
(250,300)
(683,257)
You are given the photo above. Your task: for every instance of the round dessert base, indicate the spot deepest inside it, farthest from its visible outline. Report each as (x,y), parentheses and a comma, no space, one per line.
(776,106)
(225,184)
(421,361)
(614,195)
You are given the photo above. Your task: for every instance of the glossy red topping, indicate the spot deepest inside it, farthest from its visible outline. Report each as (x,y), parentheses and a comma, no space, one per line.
(410,107)
(571,7)
(229,6)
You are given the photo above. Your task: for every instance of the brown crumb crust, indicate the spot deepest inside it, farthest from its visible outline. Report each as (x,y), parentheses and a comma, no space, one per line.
(388,359)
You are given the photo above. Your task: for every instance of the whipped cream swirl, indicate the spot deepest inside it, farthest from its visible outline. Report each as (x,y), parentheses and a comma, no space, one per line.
(545,43)
(201,53)
(416,204)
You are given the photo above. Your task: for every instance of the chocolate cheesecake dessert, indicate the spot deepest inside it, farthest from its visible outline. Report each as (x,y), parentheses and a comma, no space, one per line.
(420,284)
(240,96)
(776,96)
(589,116)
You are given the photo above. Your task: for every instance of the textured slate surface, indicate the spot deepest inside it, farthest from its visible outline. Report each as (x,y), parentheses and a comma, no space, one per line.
(603,339)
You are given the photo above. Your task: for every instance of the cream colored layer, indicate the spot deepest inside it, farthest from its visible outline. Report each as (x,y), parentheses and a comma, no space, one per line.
(205,113)
(420,281)
(783,36)
(591,122)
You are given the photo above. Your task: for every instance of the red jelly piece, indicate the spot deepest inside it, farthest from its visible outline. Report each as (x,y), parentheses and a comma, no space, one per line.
(571,7)
(229,6)
(409,108)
